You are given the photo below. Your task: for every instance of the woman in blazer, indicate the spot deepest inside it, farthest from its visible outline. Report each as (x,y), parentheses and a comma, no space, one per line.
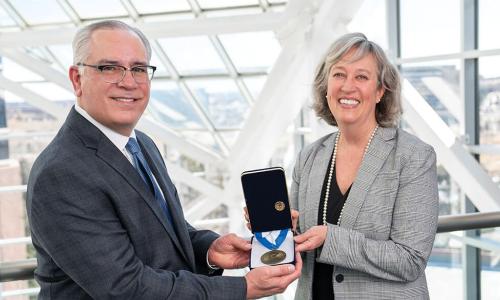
(367,194)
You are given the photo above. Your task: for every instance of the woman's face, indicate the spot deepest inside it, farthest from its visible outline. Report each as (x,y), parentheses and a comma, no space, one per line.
(353,91)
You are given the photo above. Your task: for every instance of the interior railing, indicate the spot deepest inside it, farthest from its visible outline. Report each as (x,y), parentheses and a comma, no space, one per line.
(24,269)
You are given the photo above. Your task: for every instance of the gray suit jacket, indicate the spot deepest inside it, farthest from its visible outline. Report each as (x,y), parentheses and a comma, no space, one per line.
(99,232)
(381,247)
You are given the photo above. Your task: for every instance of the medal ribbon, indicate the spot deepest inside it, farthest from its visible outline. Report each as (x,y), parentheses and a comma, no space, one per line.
(277,243)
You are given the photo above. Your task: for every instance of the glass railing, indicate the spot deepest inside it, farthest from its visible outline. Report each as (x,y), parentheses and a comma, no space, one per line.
(444,271)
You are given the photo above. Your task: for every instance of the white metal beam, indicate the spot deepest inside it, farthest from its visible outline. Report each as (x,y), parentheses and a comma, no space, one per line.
(175,140)
(210,192)
(287,87)
(148,125)
(289,83)
(190,97)
(37,66)
(210,222)
(446,96)
(284,61)
(478,242)
(197,183)
(488,149)
(452,154)
(202,208)
(457,55)
(34,99)
(154,30)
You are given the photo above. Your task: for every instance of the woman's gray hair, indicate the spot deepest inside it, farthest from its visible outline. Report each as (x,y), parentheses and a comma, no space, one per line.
(81,41)
(388,110)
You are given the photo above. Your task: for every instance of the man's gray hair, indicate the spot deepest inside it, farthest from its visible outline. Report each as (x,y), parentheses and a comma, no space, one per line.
(81,41)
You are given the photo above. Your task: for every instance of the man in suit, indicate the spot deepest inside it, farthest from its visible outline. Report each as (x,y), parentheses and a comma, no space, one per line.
(105,217)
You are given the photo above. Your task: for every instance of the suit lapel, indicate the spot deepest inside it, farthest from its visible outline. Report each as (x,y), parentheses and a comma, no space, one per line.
(174,207)
(111,155)
(379,149)
(105,150)
(316,179)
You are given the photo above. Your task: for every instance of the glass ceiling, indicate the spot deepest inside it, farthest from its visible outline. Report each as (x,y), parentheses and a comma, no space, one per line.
(204,86)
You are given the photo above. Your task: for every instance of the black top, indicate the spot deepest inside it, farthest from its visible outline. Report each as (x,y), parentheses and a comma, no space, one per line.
(322,280)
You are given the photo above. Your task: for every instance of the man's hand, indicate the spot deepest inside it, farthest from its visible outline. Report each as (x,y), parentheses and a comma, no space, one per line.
(293,212)
(229,252)
(311,239)
(270,280)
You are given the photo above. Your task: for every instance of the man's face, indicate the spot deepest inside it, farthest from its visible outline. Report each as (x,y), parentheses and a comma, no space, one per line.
(117,106)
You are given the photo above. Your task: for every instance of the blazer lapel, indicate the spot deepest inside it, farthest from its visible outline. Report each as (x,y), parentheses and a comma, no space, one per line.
(174,207)
(379,149)
(316,179)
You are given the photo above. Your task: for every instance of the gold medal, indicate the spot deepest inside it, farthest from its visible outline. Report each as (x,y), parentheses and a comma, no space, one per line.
(279,205)
(273,257)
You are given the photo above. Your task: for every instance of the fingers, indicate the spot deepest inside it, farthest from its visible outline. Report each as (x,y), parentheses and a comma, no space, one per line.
(240,262)
(295,219)
(242,244)
(247,218)
(298,268)
(231,242)
(302,237)
(281,270)
(270,280)
(298,261)
(305,246)
(311,239)
(287,275)
(245,212)
(236,242)
(309,244)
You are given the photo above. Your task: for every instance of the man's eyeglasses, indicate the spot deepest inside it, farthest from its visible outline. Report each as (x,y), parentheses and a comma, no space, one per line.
(116,73)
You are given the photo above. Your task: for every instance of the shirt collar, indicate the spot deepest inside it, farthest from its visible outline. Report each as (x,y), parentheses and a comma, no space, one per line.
(117,139)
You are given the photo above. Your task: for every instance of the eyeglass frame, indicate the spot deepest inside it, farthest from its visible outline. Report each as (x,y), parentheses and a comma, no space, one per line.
(124,70)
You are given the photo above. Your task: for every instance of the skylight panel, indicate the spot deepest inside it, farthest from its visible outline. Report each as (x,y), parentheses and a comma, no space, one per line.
(221,101)
(155,6)
(246,56)
(169,106)
(36,12)
(91,9)
(193,55)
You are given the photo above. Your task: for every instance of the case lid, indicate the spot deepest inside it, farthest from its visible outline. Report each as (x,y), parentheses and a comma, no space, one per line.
(266,198)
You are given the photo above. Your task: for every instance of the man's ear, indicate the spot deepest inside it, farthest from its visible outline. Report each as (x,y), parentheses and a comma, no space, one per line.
(75,77)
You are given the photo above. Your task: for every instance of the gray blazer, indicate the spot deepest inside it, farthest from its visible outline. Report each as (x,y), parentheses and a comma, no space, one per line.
(381,247)
(99,233)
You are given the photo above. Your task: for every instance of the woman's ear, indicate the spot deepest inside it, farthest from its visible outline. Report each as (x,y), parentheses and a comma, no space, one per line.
(380,94)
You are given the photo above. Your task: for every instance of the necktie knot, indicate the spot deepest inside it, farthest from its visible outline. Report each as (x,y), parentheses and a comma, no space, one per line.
(132,146)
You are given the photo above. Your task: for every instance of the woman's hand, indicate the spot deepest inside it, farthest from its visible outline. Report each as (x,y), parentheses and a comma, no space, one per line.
(293,212)
(311,239)
(247,218)
(295,219)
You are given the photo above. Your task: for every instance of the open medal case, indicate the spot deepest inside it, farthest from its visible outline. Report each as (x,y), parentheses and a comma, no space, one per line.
(266,199)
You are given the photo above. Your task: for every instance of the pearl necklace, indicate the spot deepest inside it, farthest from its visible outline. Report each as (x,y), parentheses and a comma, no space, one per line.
(330,173)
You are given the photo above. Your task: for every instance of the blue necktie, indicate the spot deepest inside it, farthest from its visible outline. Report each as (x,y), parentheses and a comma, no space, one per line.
(141,165)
